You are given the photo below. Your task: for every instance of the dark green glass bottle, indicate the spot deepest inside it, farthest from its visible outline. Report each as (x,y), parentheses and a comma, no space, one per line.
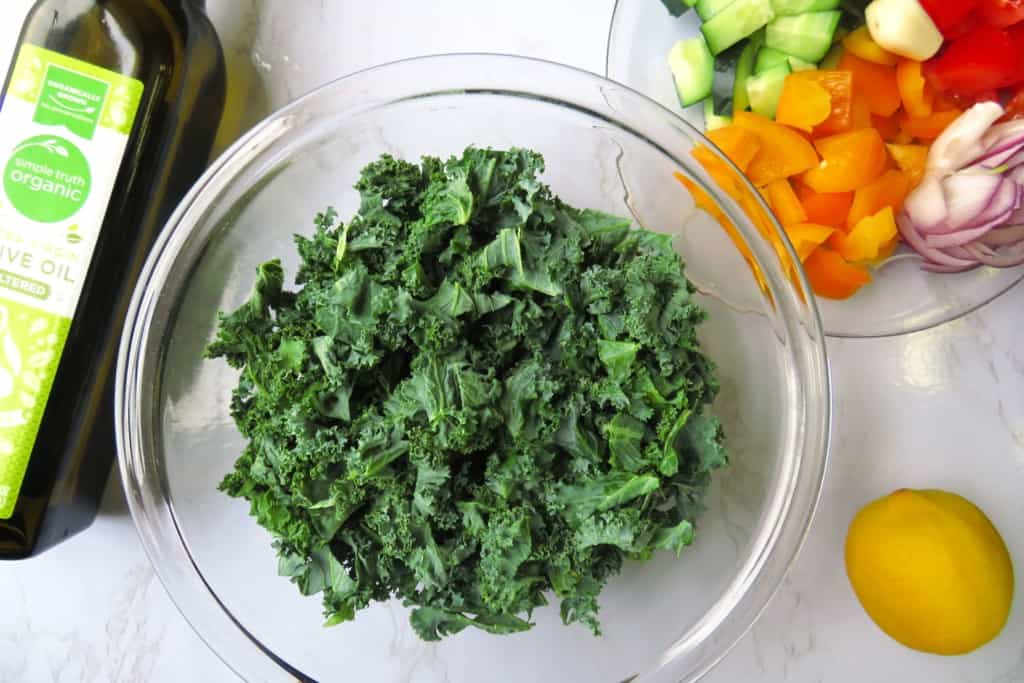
(108,117)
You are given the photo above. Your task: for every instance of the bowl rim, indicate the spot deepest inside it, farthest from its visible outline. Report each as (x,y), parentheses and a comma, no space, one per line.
(805,482)
(912,328)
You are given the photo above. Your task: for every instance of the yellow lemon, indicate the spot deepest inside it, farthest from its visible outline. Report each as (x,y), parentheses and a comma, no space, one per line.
(930,570)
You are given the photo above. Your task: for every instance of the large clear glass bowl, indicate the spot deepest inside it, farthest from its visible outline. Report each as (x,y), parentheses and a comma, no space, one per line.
(902,298)
(607,147)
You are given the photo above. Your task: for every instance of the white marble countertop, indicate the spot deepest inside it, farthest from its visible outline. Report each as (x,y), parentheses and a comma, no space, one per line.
(943,408)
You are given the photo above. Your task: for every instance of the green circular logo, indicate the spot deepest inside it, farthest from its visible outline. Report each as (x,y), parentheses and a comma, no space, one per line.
(47,179)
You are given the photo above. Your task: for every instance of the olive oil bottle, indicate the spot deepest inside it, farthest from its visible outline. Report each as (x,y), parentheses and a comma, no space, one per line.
(107,118)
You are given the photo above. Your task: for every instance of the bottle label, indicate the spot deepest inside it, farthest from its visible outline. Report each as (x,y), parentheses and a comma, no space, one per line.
(64,128)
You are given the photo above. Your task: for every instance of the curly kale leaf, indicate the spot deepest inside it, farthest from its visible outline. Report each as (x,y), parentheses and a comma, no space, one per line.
(479,397)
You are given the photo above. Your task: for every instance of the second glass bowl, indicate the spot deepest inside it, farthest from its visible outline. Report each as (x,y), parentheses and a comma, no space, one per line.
(902,298)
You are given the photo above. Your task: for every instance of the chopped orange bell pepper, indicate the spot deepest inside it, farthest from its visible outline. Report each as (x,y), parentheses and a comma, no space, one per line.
(806,237)
(887,126)
(861,44)
(839,85)
(911,159)
(784,202)
(860,111)
(831,276)
(929,127)
(917,96)
(783,152)
(888,190)
(850,160)
(803,104)
(828,208)
(904,138)
(869,238)
(736,143)
(876,82)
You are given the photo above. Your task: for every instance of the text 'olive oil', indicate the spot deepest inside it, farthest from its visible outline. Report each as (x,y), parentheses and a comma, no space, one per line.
(107,118)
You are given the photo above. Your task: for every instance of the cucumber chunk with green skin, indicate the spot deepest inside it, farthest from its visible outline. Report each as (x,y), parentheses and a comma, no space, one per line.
(797,64)
(744,69)
(693,70)
(713,121)
(706,9)
(769,58)
(765,89)
(792,7)
(806,36)
(831,60)
(736,22)
(677,8)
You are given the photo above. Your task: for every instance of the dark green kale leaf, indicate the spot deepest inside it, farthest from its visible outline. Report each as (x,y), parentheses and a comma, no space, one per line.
(480,396)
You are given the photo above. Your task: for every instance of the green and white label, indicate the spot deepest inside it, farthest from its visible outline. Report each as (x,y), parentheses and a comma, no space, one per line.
(64,129)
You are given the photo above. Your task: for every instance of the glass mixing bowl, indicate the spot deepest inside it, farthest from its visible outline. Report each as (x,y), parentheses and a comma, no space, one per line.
(901,298)
(607,147)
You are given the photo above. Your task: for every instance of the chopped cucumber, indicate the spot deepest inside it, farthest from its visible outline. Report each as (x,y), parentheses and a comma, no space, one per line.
(693,70)
(769,58)
(797,64)
(709,8)
(736,22)
(831,60)
(677,8)
(713,121)
(765,89)
(791,7)
(807,36)
(744,69)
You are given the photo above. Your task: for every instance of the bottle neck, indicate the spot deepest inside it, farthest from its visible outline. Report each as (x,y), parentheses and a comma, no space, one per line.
(183,4)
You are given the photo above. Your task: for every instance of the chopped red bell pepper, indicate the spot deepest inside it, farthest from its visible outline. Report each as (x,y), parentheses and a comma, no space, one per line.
(965,102)
(970,22)
(983,59)
(1016,33)
(948,14)
(1001,13)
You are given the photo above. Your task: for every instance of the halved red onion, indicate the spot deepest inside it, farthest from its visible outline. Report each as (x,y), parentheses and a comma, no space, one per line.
(926,205)
(1017,217)
(1000,154)
(1002,131)
(958,252)
(935,268)
(959,238)
(1016,160)
(1005,258)
(962,139)
(970,198)
(931,254)
(1005,236)
(1002,205)
(961,218)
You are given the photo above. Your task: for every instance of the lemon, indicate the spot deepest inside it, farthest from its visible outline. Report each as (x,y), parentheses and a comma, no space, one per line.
(930,570)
